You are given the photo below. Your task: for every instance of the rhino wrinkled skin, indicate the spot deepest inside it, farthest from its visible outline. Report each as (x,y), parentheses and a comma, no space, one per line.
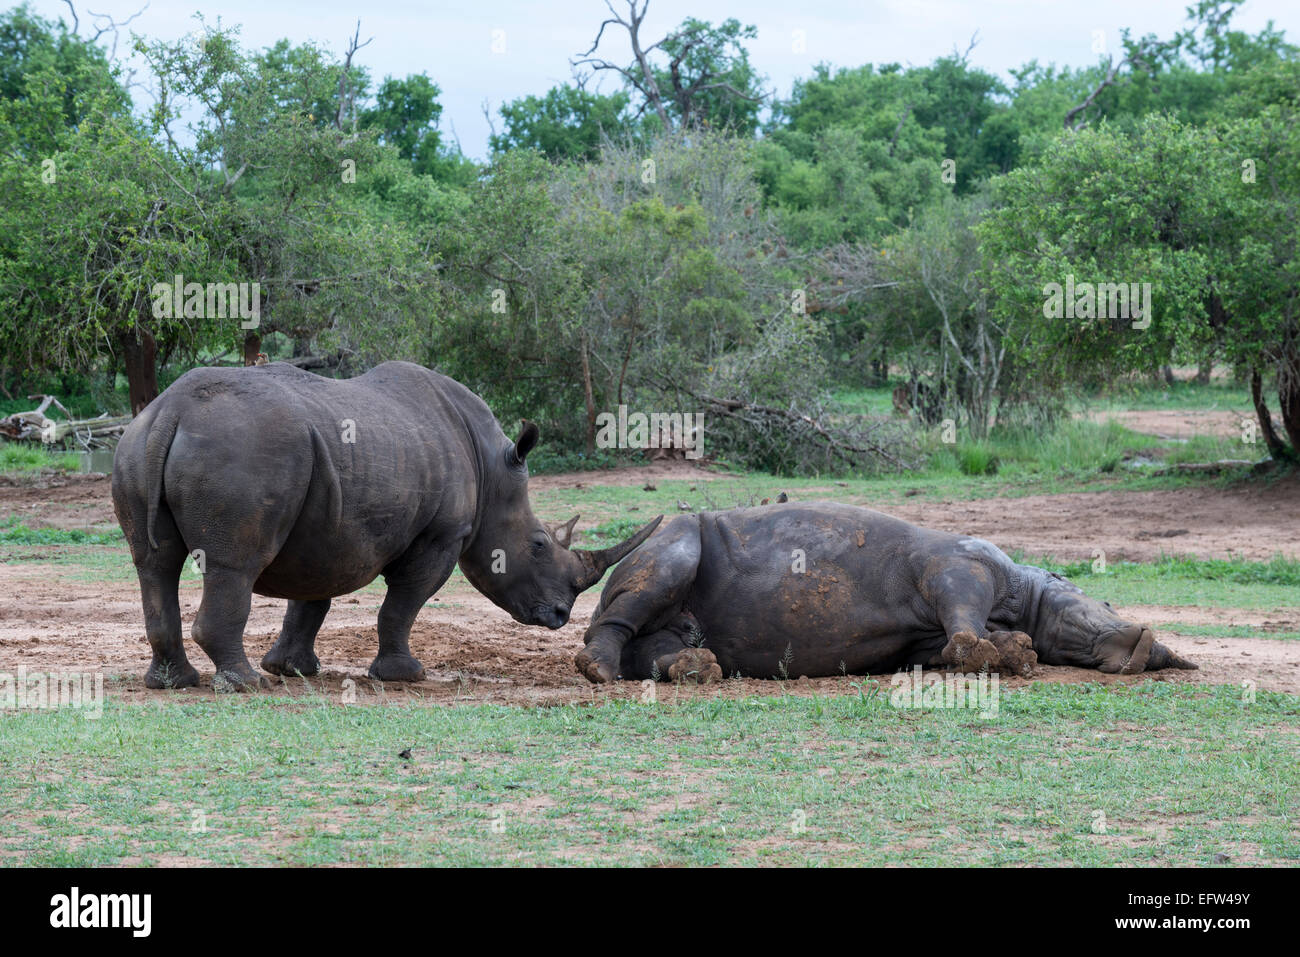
(822,589)
(287,484)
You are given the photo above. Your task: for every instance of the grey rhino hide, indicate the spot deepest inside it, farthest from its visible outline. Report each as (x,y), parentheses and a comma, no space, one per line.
(291,485)
(822,589)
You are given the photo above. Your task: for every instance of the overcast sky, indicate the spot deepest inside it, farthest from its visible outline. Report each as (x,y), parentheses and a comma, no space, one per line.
(454,41)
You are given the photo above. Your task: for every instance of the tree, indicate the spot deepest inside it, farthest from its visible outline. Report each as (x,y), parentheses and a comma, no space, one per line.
(261,191)
(569,123)
(93,213)
(706,79)
(405,116)
(1167,213)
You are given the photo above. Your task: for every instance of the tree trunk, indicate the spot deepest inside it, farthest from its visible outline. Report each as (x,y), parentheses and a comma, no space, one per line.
(591,400)
(1288,394)
(1167,373)
(139,355)
(252,347)
(1204,369)
(1271,440)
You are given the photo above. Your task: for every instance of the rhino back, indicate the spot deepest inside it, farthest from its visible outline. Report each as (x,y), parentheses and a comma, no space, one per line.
(345,472)
(811,585)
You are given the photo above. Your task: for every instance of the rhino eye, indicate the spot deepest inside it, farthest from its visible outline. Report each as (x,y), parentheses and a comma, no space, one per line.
(539,546)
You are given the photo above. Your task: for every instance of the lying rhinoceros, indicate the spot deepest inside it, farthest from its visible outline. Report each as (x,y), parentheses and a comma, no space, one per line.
(295,486)
(822,589)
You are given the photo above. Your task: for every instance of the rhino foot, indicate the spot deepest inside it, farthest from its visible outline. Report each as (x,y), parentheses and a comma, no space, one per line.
(594,669)
(971,653)
(289,664)
(1016,650)
(396,668)
(168,675)
(697,665)
(242,679)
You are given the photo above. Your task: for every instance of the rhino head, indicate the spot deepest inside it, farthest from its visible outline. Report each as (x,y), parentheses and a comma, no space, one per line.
(521,564)
(1074,629)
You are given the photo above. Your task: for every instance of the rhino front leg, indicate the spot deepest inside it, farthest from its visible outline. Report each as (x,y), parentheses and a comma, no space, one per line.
(1016,650)
(412,581)
(396,616)
(962,594)
(294,650)
(645,593)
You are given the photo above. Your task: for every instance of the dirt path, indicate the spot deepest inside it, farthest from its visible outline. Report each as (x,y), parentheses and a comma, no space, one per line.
(475,652)
(1184,423)
(1253,522)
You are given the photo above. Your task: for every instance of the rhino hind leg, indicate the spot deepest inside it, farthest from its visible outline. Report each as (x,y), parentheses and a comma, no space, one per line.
(696,665)
(159,571)
(159,578)
(219,628)
(294,650)
(665,656)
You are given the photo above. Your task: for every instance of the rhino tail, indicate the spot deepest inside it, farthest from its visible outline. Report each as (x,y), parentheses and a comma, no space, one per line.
(323,466)
(156,447)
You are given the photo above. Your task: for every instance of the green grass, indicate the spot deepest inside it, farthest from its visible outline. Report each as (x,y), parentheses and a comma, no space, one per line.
(1181,580)
(14,532)
(1178,774)
(877,401)
(1072,449)
(1181,395)
(1227,631)
(1279,570)
(24,457)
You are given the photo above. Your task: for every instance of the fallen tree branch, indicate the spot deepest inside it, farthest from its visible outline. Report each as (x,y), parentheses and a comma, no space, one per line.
(840,448)
(35,426)
(315,362)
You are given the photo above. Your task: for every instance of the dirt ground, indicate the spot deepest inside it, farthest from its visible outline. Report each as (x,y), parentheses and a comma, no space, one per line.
(1181,423)
(1252,522)
(475,653)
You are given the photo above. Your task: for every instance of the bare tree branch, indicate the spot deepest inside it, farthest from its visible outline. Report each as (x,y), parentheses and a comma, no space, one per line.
(346,100)
(1135,58)
(646,85)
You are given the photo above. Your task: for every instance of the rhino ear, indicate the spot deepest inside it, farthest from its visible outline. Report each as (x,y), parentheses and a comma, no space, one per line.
(563,534)
(527,439)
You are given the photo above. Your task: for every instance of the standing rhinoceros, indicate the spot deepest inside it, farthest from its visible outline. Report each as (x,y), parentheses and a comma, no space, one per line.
(819,589)
(300,487)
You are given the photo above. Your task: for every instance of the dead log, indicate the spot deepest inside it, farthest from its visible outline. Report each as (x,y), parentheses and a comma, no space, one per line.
(315,362)
(35,426)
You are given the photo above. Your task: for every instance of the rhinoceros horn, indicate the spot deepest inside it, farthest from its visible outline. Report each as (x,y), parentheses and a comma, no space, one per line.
(595,561)
(1162,657)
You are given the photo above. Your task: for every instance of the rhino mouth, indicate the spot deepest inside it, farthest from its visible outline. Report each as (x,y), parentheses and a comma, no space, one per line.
(550,616)
(1134,649)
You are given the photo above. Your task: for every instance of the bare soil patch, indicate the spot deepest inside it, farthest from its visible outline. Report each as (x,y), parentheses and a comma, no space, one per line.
(1182,424)
(475,653)
(1250,521)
